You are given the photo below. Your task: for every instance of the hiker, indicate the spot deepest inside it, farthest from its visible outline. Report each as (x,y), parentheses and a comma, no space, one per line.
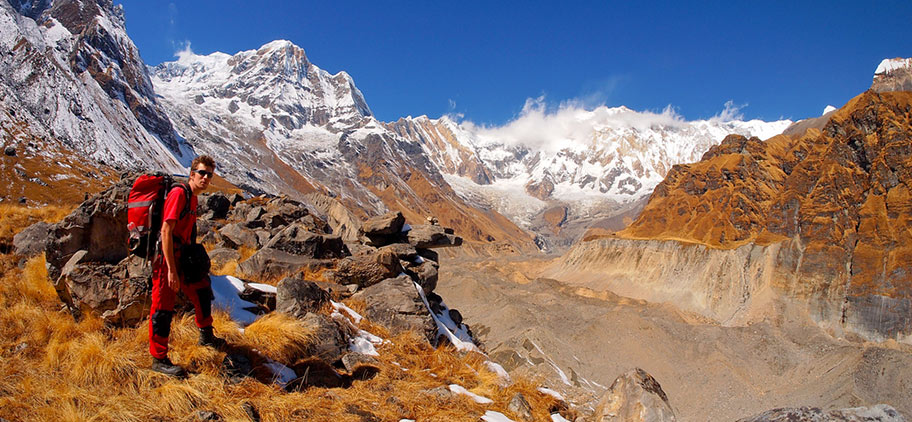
(173,268)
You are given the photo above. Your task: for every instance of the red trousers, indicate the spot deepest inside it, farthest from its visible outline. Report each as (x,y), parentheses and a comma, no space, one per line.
(163,297)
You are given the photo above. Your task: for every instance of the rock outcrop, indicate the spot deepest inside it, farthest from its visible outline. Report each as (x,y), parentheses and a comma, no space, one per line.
(830,211)
(879,413)
(634,397)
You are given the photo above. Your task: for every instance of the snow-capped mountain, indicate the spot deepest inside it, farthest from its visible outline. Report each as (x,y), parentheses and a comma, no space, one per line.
(71,76)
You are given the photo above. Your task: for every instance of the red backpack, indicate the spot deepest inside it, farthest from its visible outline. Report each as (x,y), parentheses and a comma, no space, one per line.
(144,211)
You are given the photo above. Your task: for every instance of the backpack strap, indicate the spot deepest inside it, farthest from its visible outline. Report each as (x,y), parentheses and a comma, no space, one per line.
(188,193)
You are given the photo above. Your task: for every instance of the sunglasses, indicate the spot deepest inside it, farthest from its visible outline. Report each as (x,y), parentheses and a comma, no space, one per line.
(204,173)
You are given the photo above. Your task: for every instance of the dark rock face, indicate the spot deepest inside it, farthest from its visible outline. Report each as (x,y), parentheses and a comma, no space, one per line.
(879,413)
(297,297)
(98,226)
(33,240)
(636,397)
(395,304)
(217,203)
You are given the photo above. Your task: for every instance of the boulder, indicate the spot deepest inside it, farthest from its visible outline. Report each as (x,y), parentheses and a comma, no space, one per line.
(383,225)
(240,235)
(367,270)
(119,293)
(266,301)
(878,413)
(296,239)
(296,297)
(235,198)
(353,361)
(403,251)
(217,203)
(288,209)
(268,263)
(635,397)
(520,407)
(98,226)
(33,240)
(328,341)
(425,274)
(396,304)
(339,218)
(428,236)
(252,218)
(221,256)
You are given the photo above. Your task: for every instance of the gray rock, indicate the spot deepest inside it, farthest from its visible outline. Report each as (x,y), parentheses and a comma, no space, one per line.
(119,293)
(426,274)
(33,240)
(220,257)
(367,270)
(297,297)
(296,239)
(263,237)
(254,215)
(520,407)
(878,413)
(218,203)
(240,235)
(403,251)
(328,341)
(383,225)
(270,263)
(395,304)
(636,397)
(353,361)
(98,226)
(429,236)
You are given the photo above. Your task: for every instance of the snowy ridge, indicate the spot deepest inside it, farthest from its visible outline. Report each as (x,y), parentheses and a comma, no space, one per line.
(891,65)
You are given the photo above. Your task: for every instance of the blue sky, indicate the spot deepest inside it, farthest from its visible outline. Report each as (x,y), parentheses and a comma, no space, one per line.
(484,59)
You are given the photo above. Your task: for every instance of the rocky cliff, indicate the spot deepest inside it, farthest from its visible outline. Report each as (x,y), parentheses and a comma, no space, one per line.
(823,218)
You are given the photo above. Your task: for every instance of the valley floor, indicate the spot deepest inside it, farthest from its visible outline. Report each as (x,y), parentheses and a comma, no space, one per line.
(582,340)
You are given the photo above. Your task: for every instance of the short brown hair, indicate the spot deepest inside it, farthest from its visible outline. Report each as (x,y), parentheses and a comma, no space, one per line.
(204,160)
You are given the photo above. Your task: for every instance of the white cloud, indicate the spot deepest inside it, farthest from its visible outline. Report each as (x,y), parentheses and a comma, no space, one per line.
(569,124)
(730,112)
(183,51)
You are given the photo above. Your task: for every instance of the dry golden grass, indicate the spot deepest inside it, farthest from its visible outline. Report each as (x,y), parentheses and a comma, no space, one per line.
(54,368)
(16,217)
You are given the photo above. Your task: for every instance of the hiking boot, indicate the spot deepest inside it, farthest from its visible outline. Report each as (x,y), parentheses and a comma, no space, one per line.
(166,367)
(208,338)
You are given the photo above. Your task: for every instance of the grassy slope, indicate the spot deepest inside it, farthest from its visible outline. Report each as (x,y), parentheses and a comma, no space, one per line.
(53,368)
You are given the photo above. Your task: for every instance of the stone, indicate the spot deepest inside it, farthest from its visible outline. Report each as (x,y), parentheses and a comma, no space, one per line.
(207,415)
(383,225)
(297,297)
(878,413)
(218,203)
(327,341)
(221,256)
(240,235)
(339,218)
(234,198)
(635,397)
(427,236)
(265,300)
(10,151)
(254,215)
(520,407)
(426,274)
(367,270)
(403,251)
(119,293)
(98,226)
(296,239)
(33,240)
(353,361)
(313,372)
(396,304)
(270,263)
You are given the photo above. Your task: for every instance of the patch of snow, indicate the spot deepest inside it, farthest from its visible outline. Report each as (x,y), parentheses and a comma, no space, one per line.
(551,393)
(364,343)
(458,336)
(828,109)
(283,374)
(225,289)
(492,416)
(497,369)
(458,389)
(262,287)
(556,417)
(356,317)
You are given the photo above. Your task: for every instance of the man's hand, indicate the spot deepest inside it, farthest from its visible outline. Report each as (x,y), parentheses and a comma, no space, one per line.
(173,279)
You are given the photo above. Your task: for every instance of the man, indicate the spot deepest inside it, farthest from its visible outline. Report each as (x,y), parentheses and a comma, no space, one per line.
(167,276)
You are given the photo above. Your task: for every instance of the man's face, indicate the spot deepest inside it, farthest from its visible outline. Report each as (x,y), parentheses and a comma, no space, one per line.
(200,177)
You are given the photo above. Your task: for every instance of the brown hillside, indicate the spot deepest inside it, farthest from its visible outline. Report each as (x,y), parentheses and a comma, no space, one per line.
(840,194)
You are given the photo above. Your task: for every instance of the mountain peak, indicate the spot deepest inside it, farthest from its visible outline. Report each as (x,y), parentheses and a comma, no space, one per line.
(893,75)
